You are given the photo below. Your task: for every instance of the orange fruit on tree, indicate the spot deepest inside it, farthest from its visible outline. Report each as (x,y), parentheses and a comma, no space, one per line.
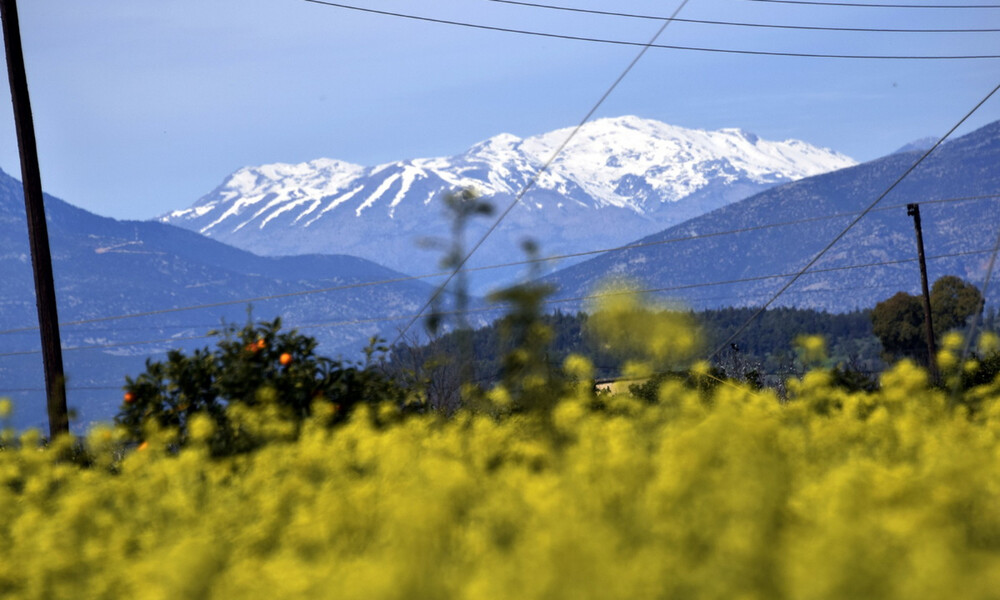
(261,344)
(285,359)
(129,397)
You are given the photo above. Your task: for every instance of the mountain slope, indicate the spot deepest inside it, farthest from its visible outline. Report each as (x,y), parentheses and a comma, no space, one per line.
(631,175)
(818,208)
(106,268)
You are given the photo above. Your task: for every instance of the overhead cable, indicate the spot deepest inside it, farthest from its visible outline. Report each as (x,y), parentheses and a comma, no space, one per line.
(854,222)
(986,286)
(511,264)
(646,46)
(742,24)
(545,167)
(501,307)
(497,309)
(861,5)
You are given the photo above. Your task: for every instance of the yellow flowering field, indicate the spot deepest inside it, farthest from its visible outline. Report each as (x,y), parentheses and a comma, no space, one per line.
(541,489)
(722,494)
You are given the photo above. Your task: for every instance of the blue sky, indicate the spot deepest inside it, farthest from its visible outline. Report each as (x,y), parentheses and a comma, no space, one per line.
(143,106)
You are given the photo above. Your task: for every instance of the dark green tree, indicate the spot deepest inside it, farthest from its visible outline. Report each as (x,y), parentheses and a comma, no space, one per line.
(953,301)
(248,365)
(899,324)
(899,321)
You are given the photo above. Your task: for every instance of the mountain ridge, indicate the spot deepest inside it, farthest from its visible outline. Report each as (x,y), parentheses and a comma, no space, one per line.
(743,253)
(634,175)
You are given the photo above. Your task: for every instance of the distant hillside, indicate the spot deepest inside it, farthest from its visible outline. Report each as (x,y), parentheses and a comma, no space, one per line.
(105,267)
(780,230)
(920,145)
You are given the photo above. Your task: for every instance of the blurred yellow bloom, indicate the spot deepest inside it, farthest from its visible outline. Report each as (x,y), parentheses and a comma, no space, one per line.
(578,366)
(952,340)
(947,360)
(701,491)
(989,343)
(813,348)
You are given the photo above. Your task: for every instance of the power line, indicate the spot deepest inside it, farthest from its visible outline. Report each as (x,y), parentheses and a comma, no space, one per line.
(986,285)
(878,286)
(741,24)
(113,345)
(648,46)
(748,229)
(858,218)
(766,277)
(859,5)
(498,308)
(550,258)
(534,179)
(323,324)
(164,311)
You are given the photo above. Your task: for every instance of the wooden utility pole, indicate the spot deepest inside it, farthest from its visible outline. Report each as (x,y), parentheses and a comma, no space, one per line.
(913,210)
(38,235)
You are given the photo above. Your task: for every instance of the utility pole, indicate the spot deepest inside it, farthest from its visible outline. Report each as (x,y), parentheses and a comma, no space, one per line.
(38,235)
(913,210)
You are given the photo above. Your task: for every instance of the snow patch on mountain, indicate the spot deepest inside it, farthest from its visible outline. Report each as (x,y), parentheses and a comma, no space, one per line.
(636,176)
(289,186)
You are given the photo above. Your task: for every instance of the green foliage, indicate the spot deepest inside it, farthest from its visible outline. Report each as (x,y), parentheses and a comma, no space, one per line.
(250,366)
(899,324)
(529,379)
(953,301)
(967,378)
(766,347)
(527,375)
(899,321)
(844,377)
(648,391)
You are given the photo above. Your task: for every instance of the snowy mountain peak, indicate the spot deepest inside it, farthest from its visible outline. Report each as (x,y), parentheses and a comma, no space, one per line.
(641,174)
(499,148)
(745,135)
(674,162)
(504,140)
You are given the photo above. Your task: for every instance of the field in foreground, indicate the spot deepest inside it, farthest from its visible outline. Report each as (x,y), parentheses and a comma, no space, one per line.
(722,494)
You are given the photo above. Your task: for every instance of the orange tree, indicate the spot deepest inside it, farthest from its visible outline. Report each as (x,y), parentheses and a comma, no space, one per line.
(249,366)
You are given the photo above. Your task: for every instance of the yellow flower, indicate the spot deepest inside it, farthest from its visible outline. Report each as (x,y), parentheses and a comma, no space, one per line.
(952,340)
(813,348)
(989,343)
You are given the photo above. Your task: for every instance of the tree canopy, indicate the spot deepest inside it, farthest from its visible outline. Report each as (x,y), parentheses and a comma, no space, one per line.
(898,322)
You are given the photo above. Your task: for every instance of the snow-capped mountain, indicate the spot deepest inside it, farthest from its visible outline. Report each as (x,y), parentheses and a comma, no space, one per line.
(616,180)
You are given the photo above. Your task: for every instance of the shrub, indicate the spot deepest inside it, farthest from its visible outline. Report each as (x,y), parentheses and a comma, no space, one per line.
(256,365)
